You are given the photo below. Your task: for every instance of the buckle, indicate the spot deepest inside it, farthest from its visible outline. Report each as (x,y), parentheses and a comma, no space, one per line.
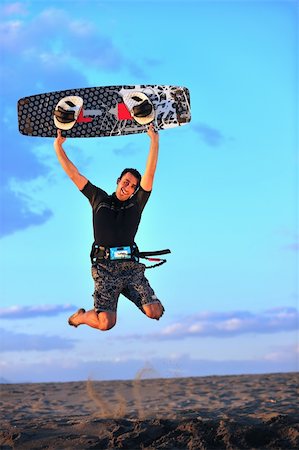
(120,253)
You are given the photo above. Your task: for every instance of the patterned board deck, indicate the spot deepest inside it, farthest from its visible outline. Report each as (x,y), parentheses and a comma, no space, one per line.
(104,111)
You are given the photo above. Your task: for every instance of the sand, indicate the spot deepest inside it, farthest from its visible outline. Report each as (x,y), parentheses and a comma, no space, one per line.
(226,412)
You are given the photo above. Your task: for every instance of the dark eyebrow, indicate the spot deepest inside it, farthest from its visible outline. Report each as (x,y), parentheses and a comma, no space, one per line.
(133,184)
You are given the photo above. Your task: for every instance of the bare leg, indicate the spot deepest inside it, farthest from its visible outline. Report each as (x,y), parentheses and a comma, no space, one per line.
(101,321)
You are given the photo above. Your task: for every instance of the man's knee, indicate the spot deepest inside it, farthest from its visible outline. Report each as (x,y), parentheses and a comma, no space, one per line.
(106,320)
(154,310)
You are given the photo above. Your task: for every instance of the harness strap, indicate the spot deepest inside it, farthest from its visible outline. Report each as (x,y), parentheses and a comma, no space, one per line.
(147,256)
(161,261)
(154,253)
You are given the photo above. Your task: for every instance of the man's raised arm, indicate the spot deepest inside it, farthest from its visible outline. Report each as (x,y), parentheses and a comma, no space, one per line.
(67,165)
(152,159)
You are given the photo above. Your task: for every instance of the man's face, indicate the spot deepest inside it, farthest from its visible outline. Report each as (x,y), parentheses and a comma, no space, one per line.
(126,186)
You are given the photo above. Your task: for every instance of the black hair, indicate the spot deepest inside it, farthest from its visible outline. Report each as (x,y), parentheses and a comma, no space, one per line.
(134,172)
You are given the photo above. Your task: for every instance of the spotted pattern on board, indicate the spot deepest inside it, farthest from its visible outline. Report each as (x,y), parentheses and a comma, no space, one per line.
(100,106)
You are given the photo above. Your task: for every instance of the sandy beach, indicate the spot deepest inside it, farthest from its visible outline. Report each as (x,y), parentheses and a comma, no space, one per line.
(226,412)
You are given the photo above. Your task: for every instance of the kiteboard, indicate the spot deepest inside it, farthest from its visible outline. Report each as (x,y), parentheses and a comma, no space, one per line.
(104,111)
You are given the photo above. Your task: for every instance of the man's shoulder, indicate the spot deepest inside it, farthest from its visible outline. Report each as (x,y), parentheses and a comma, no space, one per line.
(89,186)
(141,197)
(93,192)
(142,192)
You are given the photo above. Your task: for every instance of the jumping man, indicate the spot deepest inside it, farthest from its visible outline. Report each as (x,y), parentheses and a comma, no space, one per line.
(115,266)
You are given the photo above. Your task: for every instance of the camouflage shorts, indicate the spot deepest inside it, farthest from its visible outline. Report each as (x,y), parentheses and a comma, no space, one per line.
(112,278)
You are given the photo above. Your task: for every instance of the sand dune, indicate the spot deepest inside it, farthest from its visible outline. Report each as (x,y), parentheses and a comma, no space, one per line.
(229,412)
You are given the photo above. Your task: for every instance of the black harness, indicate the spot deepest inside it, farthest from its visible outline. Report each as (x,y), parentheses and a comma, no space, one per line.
(126,253)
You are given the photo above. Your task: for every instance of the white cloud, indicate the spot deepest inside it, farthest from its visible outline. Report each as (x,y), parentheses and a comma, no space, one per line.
(75,39)
(174,328)
(25,312)
(196,328)
(228,324)
(23,342)
(16,8)
(232,324)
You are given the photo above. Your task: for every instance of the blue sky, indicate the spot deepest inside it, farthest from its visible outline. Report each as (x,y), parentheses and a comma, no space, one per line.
(224,198)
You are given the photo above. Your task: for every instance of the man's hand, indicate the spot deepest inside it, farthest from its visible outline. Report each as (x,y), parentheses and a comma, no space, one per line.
(152,133)
(60,139)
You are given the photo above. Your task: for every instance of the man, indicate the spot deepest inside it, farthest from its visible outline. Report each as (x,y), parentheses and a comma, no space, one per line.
(116,219)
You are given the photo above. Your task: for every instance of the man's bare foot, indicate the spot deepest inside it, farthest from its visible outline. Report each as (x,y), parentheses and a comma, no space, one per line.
(72,320)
